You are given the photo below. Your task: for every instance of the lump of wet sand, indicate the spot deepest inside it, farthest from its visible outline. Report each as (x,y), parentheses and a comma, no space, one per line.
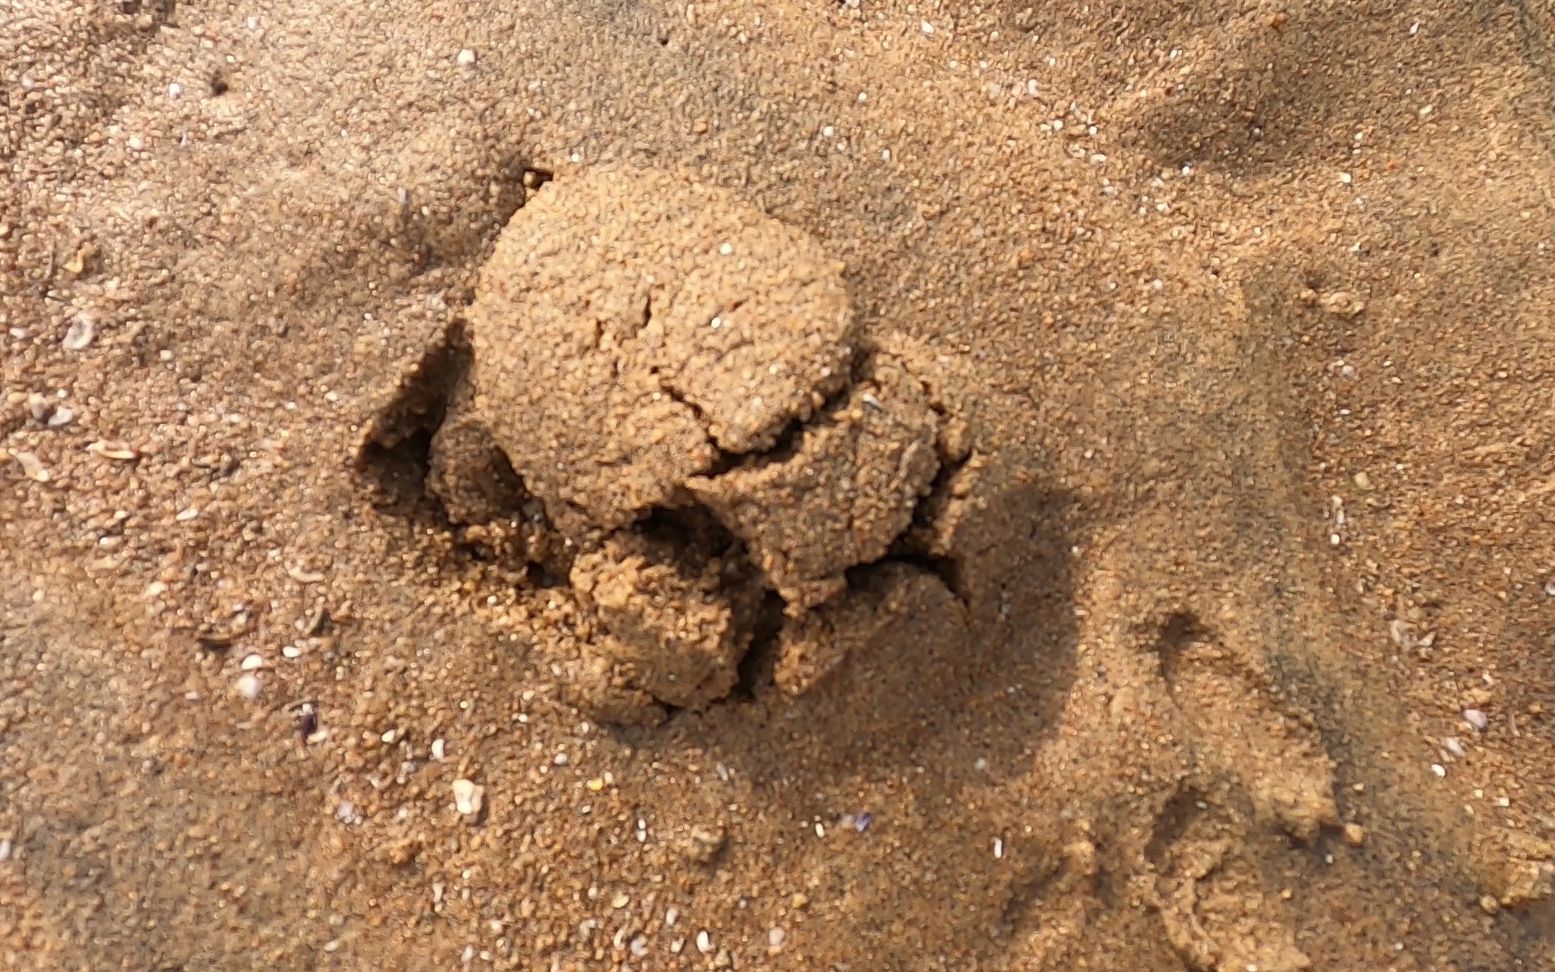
(678,381)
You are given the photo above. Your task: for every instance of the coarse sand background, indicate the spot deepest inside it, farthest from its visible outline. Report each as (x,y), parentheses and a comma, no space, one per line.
(1257,301)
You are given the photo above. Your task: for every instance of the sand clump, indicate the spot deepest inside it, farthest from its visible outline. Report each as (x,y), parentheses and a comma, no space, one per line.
(678,382)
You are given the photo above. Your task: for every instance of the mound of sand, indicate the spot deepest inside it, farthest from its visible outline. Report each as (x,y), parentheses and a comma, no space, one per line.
(676,379)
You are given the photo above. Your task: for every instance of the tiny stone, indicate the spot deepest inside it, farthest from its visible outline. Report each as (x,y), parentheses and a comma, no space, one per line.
(291,651)
(252,663)
(671,916)
(1452,745)
(403,852)
(466,58)
(248,686)
(439,748)
(621,900)
(1362,481)
(32,466)
(1476,719)
(638,947)
(799,901)
(704,843)
(1439,770)
(347,813)
(5,850)
(1490,904)
(704,942)
(775,937)
(80,333)
(468,797)
(1354,834)
(63,416)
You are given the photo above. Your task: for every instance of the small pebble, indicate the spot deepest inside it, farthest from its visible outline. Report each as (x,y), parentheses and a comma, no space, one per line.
(32,466)
(347,813)
(469,797)
(998,848)
(776,937)
(671,916)
(252,663)
(704,942)
(1439,770)
(307,721)
(1452,745)
(1476,719)
(1354,834)
(83,328)
(638,947)
(704,842)
(291,651)
(5,850)
(439,748)
(248,686)
(466,58)
(62,416)
(1489,904)
(621,900)
(112,450)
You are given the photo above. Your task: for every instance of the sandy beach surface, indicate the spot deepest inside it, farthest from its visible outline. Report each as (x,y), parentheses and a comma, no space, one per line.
(1100,514)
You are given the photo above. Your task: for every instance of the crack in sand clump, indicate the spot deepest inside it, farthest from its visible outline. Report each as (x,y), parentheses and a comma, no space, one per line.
(677,380)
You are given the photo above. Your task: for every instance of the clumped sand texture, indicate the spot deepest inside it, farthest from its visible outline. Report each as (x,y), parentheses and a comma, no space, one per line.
(677,379)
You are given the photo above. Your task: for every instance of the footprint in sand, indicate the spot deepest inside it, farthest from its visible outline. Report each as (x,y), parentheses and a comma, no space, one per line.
(1260,776)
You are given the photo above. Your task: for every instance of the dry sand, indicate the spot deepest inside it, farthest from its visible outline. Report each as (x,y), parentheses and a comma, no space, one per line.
(1255,303)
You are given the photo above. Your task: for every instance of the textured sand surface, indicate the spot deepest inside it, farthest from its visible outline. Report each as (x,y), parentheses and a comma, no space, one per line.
(1240,658)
